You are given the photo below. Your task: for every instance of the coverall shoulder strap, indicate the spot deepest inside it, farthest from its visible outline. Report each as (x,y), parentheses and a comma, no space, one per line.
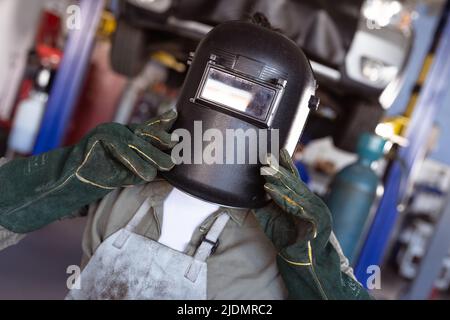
(210,240)
(207,247)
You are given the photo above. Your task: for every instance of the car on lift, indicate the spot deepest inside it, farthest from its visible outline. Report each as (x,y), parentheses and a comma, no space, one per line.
(357,48)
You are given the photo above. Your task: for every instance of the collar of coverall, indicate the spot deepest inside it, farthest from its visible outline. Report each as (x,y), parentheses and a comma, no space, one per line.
(159,189)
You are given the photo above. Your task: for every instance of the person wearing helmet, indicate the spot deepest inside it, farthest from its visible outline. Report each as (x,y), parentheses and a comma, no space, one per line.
(194,230)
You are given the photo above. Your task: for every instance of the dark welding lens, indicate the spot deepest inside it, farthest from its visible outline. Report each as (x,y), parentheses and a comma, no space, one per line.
(234,92)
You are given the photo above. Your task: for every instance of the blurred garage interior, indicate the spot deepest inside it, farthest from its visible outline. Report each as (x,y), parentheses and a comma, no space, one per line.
(383,72)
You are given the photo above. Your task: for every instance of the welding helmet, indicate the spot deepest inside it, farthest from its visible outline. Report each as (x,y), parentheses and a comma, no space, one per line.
(248,77)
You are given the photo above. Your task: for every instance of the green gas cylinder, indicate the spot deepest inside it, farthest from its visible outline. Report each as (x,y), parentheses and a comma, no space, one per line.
(352,193)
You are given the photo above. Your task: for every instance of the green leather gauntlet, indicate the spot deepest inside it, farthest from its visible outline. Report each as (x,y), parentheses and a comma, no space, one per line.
(299,224)
(38,190)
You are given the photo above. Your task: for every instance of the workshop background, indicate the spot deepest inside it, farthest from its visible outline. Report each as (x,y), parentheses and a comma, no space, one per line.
(377,150)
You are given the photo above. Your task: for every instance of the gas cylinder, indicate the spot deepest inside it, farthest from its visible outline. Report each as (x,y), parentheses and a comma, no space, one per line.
(27,120)
(352,193)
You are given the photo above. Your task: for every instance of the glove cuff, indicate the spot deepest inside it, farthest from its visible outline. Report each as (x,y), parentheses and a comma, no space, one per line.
(40,210)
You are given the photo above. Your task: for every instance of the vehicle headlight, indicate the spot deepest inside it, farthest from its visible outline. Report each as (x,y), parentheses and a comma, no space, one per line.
(377,71)
(384,13)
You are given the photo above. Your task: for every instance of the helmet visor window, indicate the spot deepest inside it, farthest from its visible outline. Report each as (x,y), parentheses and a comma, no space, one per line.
(236,93)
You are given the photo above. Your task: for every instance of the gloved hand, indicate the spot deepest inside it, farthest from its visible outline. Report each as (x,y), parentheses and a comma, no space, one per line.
(38,190)
(299,224)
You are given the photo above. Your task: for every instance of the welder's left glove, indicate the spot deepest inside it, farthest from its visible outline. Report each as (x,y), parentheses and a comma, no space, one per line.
(38,190)
(299,224)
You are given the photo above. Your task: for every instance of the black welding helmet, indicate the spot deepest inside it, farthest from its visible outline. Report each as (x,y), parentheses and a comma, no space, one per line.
(242,76)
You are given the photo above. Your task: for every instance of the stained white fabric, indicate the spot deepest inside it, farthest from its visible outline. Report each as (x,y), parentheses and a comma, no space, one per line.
(182,215)
(129,266)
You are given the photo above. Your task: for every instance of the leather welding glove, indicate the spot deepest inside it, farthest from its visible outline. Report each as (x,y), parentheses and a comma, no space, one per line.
(299,224)
(38,190)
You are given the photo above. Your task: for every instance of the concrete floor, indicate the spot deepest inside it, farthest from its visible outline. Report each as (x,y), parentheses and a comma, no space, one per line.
(36,267)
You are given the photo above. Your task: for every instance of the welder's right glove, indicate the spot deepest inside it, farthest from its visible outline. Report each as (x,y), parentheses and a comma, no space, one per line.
(38,190)
(299,224)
